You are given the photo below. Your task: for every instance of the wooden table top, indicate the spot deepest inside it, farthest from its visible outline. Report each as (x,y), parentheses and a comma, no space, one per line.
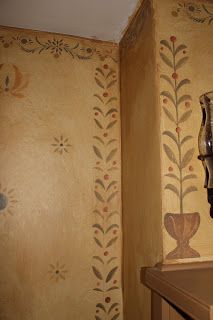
(190,290)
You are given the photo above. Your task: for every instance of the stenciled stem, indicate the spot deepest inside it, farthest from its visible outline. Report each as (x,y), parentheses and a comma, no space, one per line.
(178,130)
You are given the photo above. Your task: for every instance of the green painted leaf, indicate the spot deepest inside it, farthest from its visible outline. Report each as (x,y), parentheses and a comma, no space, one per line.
(112,196)
(100,182)
(111,155)
(98,226)
(111,141)
(98,97)
(111,83)
(185,139)
(100,71)
(189,190)
(111,242)
(98,289)
(111,111)
(98,242)
(168,95)
(184,98)
(113,226)
(111,184)
(166,44)
(111,124)
(112,214)
(99,83)
(170,154)
(168,79)
(172,175)
(111,259)
(187,158)
(185,116)
(112,307)
(99,197)
(97,152)
(112,288)
(110,73)
(98,124)
(111,99)
(182,83)
(97,273)
(98,213)
(189,176)
(169,115)
(101,306)
(172,188)
(99,139)
(180,48)
(171,135)
(111,274)
(116,316)
(166,60)
(181,62)
(99,259)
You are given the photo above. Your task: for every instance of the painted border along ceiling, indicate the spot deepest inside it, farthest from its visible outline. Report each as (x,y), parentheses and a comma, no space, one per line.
(97,19)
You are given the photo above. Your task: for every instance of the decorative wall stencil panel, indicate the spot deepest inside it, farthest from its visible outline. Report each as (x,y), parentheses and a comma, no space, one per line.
(54,130)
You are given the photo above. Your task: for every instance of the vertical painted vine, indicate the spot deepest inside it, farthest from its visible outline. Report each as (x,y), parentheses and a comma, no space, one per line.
(177,109)
(106,190)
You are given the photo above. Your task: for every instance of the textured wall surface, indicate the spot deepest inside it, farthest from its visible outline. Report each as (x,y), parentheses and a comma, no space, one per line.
(60,237)
(141,172)
(184,57)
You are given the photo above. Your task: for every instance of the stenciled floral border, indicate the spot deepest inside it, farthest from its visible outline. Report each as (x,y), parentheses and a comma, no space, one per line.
(106,265)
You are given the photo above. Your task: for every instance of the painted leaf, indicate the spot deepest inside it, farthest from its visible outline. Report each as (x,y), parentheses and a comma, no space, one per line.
(99,83)
(98,124)
(187,158)
(99,139)
(98,226)
(189,176)
(185,116)
(111,141)
(111,83)
(111,155)
(111,242)
(98,289)
(166,60)
(98,109)
(189,190)
(112,288)
(166,44)
(100,70)
(101,306)
(180,48)
(99,259)
(98,242)
(184,98)
(111,274)
(172,188)
(170,154)
(98,213)
(97,273)
(111,184)
(116,316)
(182,83)
(110,73)
(168,95)
(100,182)
(112,214)
(113,226)
(97,152)
(112,307)
(99,197)
(112,196)
(167,78)
(185,139)
(98,97)
(169,115)
(111,124)
(111,111)
(111,259)
(171,135)
(181,62)
(172,175)
(97,318)
(111,99)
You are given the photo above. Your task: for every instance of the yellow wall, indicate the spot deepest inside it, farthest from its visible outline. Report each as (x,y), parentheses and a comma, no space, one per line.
(184,26)
(60,203)
(141,172)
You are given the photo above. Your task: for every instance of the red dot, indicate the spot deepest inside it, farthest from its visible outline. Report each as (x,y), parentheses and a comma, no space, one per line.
(105,209)
(116,309)
(96,114)
(106,253)
(107,300)
(184,51)
(162,48)
(96,231)
(105,94)
(170,169)
(98,162)
(191,168)
(173,38)
(97,311)
(178,129)
(115,281)
(106,177)
(175,75)
(165,100)
(115,232)
(106,66)
(113,115)
(114,163)
(105,134)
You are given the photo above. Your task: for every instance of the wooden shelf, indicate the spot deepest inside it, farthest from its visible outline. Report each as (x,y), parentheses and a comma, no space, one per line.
(190,289)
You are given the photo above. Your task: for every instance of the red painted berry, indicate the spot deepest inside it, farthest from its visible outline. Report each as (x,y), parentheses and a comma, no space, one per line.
(107,300)
(106,253)
(170,169)
(175,75)
(113,115)
(96,113)
(165,100)
(173,38)
(106,177)
(178,129)
(105,209)
(114,163)
(106,66)
(105,134)
(105,94)
(115,281)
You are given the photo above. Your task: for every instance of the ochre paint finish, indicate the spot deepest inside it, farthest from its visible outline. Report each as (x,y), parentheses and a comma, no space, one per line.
(52,140)
(141,166)
(189,76)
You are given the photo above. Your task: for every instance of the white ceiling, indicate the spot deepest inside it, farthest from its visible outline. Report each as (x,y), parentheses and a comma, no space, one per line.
(99,19)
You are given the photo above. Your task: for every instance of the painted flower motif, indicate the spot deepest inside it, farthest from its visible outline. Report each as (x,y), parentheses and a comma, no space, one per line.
(61,145)
(57,271)
(7,201)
